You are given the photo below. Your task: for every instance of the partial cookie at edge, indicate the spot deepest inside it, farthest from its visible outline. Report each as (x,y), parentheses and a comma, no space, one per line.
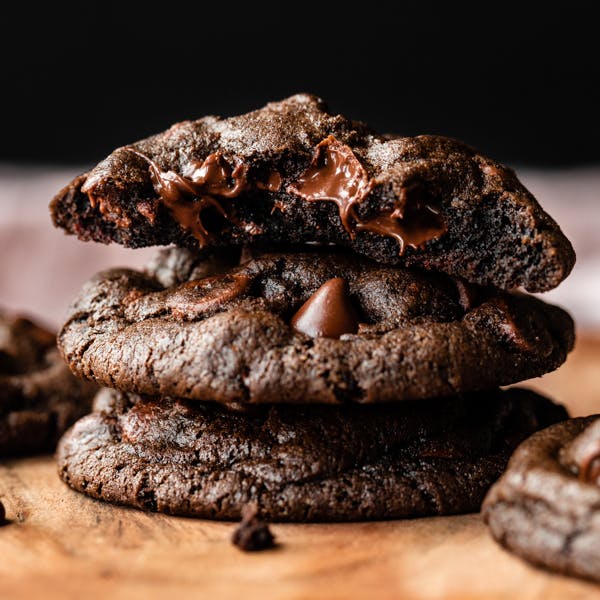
(542,509)
(39,397)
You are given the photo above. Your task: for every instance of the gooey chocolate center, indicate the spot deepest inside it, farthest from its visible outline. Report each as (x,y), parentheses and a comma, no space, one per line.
(203,184)
(334,174)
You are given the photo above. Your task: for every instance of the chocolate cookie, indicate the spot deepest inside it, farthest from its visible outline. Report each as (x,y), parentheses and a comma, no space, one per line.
(312,327)
(546,507)
(300,463)
(292,172)
(39,397)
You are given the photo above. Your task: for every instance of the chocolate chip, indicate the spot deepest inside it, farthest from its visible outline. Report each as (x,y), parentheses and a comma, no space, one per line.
(328,312)
(2,514)
(252,534)
(582,455)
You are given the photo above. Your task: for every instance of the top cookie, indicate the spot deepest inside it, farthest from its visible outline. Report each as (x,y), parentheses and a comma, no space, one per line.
(292,172)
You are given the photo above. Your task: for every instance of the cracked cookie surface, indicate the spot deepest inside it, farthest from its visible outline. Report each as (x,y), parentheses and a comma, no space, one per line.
(215,330)
(299,463)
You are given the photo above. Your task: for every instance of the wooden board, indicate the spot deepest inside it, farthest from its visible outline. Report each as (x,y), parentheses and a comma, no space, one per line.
(60,544)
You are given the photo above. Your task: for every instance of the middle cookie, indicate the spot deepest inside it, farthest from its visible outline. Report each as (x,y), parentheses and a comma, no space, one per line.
(310,327)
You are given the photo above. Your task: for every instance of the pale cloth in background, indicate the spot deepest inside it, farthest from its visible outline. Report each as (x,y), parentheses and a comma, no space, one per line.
(41,269)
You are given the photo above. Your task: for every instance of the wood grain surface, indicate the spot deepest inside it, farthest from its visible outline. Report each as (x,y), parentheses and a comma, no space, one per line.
(60,544)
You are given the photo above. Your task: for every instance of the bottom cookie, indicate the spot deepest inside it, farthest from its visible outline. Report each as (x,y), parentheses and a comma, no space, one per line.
(300,463)
(546,507)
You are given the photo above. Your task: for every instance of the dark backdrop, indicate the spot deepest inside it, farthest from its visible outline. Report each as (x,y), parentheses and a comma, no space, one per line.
(522,86)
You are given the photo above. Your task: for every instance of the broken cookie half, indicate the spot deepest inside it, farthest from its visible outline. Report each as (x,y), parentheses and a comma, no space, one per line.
(293,173)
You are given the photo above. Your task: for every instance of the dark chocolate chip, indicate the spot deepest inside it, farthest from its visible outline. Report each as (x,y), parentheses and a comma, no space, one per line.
(328,312)
(252,534)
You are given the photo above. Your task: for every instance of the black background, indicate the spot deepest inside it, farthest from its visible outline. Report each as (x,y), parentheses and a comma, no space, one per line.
(522,85)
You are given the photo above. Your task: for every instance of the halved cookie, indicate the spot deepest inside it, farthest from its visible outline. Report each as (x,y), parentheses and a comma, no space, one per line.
(292,172)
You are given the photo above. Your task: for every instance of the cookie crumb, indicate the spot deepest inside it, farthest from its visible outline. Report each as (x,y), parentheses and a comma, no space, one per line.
(252,534)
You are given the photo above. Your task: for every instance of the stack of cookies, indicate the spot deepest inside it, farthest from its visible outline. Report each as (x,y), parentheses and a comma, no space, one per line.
(328,335)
